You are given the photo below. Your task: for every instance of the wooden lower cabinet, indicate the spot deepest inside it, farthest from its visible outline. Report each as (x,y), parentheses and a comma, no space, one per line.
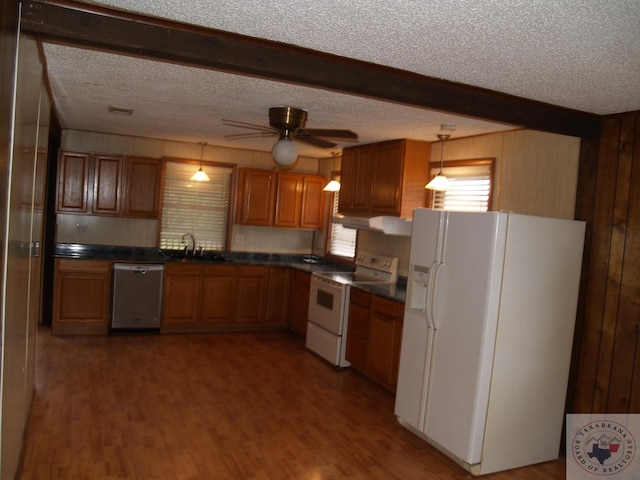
(278,295)
(385,337)
(374,336)
(218,294)
(299,303)
(358,329)
(250,294)
(212,297)
(82,291)
(182,284)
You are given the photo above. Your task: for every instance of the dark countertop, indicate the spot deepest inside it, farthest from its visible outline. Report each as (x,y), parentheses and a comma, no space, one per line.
(306,263)
(395,291)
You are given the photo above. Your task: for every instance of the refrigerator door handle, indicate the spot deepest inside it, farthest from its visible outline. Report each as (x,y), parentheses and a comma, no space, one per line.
(433,320)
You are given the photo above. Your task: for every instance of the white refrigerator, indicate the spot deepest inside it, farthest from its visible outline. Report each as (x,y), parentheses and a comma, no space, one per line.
(487,336)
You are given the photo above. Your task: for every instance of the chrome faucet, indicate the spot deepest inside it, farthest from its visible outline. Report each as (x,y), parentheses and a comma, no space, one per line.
(192,241)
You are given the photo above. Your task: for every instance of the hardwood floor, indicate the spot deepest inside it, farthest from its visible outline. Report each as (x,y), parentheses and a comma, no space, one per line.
(218,406)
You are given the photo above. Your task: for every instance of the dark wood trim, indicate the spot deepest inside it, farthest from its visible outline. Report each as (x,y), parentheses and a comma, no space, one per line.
(119,32)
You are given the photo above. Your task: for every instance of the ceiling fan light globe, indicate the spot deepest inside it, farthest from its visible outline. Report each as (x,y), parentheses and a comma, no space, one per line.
(440,183)
(285,152)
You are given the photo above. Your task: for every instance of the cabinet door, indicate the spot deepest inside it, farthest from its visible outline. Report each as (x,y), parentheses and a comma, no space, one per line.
(288,200)
(181,294)
(387,164)
(73,182)
(382,349)
(299,305)
(218,294)
(256,197)
(82,289)
(107,184)
(143,187)
(251,288)
(358,329)
(355,190)
(278,295)
(312,211)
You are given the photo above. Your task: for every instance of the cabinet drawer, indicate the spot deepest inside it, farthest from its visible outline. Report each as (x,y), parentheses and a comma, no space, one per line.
(78,265)
(219,270)
(182,269)
(387,307)
(252,271)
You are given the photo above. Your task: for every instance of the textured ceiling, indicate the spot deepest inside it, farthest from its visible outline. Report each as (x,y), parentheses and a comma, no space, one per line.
(580,54)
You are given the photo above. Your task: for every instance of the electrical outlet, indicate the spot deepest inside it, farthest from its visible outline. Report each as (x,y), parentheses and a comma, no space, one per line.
(238,239)
(81,228)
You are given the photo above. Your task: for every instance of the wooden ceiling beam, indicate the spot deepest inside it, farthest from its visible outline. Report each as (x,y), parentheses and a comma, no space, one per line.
(90,26)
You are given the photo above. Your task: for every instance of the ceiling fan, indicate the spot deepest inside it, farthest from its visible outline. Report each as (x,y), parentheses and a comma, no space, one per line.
(288,124)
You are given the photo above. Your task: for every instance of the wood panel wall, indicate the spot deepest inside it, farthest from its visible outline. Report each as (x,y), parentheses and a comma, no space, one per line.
(606,363)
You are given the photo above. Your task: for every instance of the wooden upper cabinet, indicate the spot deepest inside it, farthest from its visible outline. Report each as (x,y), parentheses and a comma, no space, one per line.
(288,200)
(107,184)
(386,178)
(355,180)
(312,211)
(279,199)
(142,198)
(256,194)
(104,184)
(73,182)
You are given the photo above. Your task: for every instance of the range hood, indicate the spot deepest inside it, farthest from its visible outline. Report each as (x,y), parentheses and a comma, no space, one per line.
(382,224)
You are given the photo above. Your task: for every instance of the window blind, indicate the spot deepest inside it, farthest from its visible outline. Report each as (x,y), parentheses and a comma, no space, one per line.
(199,208)
(470,189)
(342,241)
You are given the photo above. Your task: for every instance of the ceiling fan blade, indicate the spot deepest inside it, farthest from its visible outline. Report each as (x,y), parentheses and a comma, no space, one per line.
(346,135)
(253,126)
(239,136)
(318,142)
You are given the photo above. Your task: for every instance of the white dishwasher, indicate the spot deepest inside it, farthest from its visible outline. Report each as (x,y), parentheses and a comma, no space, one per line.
(137,296)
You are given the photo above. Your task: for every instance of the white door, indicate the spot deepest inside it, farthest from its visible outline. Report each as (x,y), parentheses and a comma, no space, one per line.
(467,302)
(417,333)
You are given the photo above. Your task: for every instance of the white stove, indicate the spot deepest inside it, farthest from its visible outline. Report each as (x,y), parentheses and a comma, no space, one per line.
(329,303)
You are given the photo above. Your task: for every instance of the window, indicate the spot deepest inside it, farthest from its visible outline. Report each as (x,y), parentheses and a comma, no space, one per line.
(470,190)
(342,241)
(199,208)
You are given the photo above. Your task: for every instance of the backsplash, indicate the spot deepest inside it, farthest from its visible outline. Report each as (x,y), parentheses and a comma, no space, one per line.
(390,245)
(103,230)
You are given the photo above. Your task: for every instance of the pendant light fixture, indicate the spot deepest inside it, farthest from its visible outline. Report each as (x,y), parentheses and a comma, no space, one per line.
(333,185)
(440,183)
(200,175)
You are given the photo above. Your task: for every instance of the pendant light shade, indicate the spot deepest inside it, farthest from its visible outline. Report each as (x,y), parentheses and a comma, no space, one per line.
(440,183)
(200,175)
(333,185)
(284,151)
